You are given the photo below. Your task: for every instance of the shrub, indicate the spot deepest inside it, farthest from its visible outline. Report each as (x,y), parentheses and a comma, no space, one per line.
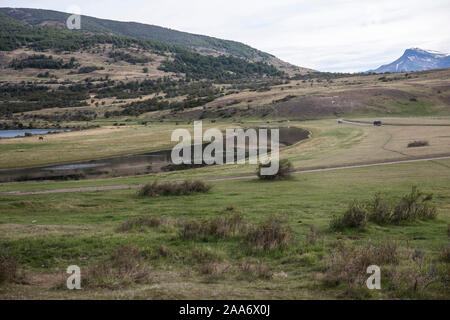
(412,275)
(142,223)
(199,255)
(422,273)
(414,206)
(421,143)
(220,227)
(355,217)
(445,254)
(269,234)
(186,187)
(252,270)
(124,267)
(8,268)
(380,211)
(314,235)
(190,230)
(166,252)
(211,268)
(284,170)
(89,69)
(348,263)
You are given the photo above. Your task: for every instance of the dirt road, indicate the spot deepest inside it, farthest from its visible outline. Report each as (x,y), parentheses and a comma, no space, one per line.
(247,176)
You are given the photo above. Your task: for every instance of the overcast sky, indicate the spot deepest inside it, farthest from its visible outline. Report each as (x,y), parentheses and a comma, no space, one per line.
(332,35)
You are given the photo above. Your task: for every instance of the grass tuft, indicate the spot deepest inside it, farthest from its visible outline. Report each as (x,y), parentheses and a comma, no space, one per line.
(269,234)
(124,267)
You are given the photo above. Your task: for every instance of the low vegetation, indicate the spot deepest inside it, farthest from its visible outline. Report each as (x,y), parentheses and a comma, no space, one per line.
(269,234)
(40,61)
(413,206)
(186,187)
(406,272)
(348,263)
(142,224)
(284,170)
(8,268)
(419,143)
(354,217)
(125,266)
(258,270)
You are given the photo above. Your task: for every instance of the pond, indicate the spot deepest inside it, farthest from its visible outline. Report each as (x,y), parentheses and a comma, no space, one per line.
(22,132)
(127,165)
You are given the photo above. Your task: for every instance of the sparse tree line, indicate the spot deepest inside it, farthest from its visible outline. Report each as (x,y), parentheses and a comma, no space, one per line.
(221,68)
(42,61)
(28,97)
(123,56)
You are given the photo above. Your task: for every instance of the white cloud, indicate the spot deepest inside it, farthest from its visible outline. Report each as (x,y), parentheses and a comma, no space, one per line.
(340,35)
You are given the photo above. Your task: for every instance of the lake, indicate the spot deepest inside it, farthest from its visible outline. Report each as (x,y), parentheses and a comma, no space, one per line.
(128,165)
(21,132)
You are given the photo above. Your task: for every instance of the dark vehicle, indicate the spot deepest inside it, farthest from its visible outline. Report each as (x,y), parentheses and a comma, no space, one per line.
(377,123)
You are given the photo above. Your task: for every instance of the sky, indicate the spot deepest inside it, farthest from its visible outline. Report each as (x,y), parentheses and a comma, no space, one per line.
(326,35)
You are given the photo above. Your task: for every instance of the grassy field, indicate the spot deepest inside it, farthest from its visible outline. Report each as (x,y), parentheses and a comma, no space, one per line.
(311,236)
(331,144)
(87,144)
(46,233)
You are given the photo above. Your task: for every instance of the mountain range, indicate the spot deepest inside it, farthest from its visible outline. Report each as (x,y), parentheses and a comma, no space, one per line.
(198,43)
(416,59)
(413,59)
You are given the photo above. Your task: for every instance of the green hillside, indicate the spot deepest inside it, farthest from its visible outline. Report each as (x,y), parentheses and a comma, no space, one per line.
(139,30)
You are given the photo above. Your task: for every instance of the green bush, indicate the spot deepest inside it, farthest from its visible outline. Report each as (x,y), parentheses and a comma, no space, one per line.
(284,170)
(186,187)
(355,217)
(412,206)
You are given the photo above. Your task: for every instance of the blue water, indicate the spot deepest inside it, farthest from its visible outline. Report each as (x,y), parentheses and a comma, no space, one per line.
(76,166)
(21,133)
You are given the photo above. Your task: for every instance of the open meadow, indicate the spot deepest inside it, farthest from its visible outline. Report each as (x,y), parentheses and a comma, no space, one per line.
(244,238)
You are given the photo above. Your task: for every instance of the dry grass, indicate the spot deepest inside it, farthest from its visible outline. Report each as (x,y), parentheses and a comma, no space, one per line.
(141,224)
(257,270)
(220,227)
(445,254)
(8,268)
(348,263)
(269,234)
(124,267)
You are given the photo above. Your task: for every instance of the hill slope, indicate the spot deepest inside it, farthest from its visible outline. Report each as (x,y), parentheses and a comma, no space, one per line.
(416,59)
(198,43)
